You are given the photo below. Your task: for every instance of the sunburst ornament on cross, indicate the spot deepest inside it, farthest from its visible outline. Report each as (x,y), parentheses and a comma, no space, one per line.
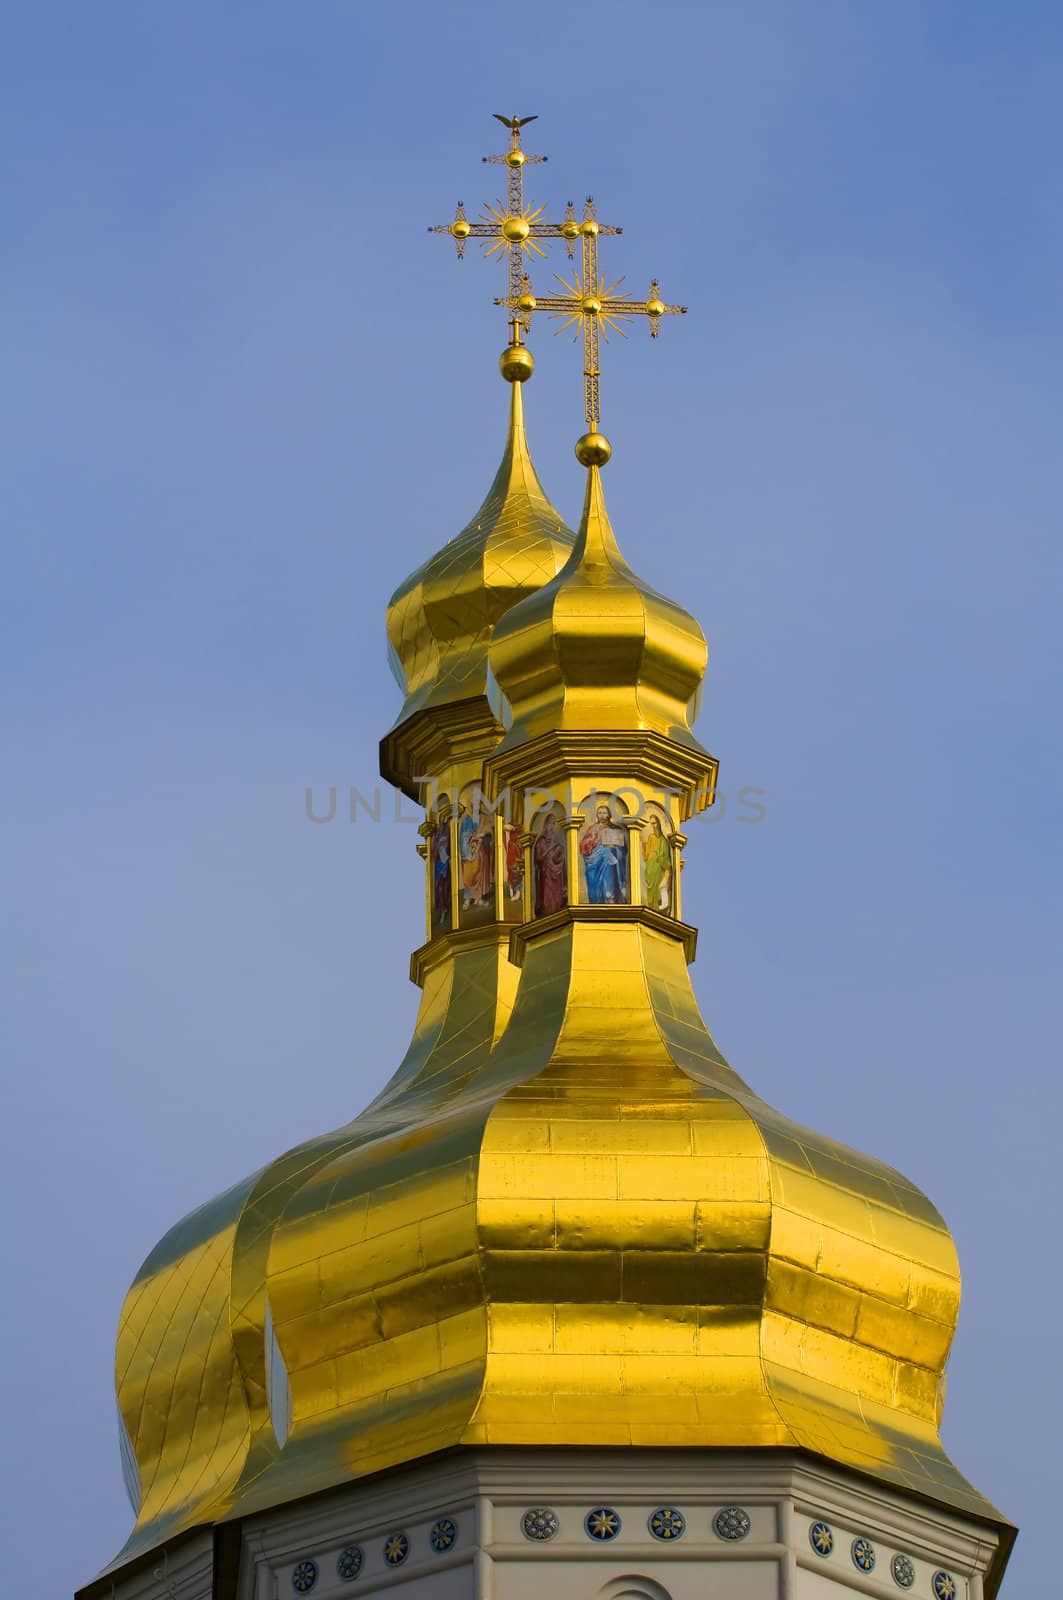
(509,227)
(593,307)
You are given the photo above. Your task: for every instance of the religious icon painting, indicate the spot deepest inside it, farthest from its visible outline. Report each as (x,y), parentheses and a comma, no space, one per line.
(476,858)
(549,861)
(439,867)
(603,852)
(656,860)
(512,873)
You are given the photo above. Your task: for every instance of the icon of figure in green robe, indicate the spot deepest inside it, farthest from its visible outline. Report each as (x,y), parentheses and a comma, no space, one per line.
(656,866)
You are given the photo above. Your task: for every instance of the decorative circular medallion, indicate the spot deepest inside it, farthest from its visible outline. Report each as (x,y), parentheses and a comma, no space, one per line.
(603,1523)
(539,1523)
(304,1576)
(396,1549)
(731,1523)
(667,1523)
(863,1554)
(349,1562)
(945,1586)
(903,1572)
(443,1534)
(821,1538)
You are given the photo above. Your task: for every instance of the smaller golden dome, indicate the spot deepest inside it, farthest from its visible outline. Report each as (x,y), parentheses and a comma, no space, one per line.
(440,620)
(596,648)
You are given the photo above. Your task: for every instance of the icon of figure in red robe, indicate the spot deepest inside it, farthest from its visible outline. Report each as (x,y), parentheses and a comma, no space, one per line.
(550,874)
(514,864)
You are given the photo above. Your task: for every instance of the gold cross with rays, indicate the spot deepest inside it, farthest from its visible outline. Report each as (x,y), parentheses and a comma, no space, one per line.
(593,306)
(508,227)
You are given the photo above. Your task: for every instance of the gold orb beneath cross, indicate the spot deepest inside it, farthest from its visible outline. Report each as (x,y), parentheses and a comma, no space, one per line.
(515,229)
(516,363)
(593,450)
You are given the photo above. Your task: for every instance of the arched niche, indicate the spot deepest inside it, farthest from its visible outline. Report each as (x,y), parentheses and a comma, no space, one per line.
(633,1586)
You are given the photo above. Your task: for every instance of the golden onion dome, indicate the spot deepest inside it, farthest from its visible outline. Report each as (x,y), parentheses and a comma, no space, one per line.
(597,647)
(440,621)
(588,1230)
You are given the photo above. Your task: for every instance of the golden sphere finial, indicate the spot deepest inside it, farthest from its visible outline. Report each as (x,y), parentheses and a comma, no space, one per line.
(516,363)
(515,229)
(593,450)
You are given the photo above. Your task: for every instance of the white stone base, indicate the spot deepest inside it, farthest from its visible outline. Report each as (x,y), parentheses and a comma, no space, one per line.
(485,1494)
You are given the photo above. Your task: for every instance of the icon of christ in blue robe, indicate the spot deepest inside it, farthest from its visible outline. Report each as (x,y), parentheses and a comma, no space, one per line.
(603,847)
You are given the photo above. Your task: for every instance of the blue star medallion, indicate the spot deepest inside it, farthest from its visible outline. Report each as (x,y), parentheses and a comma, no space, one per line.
(603,1523)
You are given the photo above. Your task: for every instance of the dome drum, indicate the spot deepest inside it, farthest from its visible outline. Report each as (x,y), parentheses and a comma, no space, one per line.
(522,854)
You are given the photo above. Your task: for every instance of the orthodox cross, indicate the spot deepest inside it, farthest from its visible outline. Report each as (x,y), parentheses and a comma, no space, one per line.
(592,306)
(509,227)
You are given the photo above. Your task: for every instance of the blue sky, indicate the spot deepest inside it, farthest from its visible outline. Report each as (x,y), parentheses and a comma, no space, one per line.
(247,393)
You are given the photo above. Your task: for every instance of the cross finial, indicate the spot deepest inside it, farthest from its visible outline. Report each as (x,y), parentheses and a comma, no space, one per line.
(509,228)
(593,307)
